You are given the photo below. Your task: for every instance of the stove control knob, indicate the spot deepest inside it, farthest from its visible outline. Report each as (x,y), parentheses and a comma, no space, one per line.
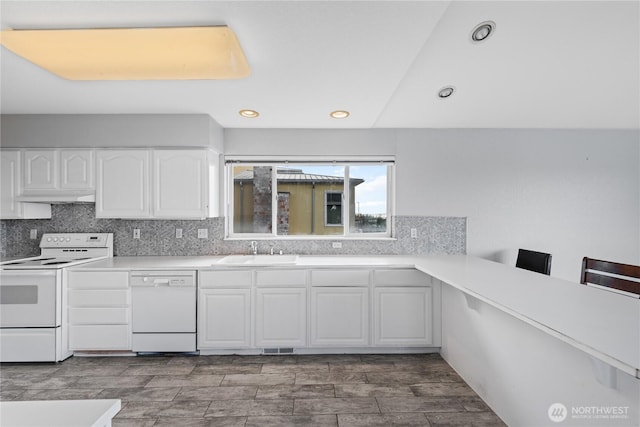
(55,239)
(48,239)
(68,239)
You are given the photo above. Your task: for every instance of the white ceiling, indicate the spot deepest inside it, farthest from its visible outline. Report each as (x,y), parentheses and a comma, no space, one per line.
(573,64)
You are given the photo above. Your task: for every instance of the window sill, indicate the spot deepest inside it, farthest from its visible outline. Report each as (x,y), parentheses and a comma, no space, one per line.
(311,238)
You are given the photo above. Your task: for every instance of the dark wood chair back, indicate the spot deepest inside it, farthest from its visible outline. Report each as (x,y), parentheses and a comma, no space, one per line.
(600,272)
(539,262)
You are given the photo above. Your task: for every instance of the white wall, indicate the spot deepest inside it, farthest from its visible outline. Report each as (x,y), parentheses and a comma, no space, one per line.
(520,371)
(109,130)
(309,142)
(570,193)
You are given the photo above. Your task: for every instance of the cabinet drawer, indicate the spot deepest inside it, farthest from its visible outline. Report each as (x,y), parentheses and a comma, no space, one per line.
(98,316)
(281,277)
(340,278)
(409,277)
(99,298)
(98,279)
(215,279)
(99,337)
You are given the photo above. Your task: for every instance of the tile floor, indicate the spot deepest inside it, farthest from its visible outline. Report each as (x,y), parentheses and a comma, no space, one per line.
(315,390)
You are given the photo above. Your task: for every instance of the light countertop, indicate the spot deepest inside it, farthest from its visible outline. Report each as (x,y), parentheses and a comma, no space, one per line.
(602,323)
(59,413)
(212,262)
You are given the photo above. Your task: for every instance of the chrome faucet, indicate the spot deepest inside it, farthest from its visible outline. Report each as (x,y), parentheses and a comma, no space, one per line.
(254,247)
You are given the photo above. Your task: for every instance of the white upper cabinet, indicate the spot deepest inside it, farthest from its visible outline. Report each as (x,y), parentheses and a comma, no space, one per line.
(47,171)
(10,181)
(180,185)
(122,184)
(153,184)
(40,170)
(76,169)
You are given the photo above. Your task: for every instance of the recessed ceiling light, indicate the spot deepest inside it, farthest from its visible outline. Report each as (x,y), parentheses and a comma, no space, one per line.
(339,114)
(482,31)
(446,92)
(249,114)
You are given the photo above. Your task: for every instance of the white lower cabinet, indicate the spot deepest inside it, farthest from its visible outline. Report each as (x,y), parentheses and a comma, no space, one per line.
(281,317)
(339,316)
(403,316)
(224,309)
(266,309)
(99,310)
(224,318)
(406,309)
(99,337)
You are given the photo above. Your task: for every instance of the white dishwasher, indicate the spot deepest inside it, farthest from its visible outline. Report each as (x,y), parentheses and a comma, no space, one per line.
(163,311)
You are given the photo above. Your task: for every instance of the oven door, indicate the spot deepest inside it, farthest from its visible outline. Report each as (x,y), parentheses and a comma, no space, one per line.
(29,298)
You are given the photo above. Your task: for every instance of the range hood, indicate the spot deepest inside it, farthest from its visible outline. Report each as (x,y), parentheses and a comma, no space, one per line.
(55,197)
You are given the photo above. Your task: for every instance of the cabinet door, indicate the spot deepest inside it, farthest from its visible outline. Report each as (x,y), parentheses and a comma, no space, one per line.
(224,318)
(10,187)
(10,181)
(281,317)
(339,316)
(122,184)
(403,316)
(76,170)
(180,184)
(40,170)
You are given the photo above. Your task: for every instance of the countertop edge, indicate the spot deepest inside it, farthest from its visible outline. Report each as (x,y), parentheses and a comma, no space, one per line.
(535,301)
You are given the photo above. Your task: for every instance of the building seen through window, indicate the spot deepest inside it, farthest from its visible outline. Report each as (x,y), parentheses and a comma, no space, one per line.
(309,199)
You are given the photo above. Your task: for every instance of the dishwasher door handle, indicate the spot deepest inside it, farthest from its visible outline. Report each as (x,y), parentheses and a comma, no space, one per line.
(149,282)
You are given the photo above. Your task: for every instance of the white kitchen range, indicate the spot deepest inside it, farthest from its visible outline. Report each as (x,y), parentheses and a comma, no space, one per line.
(33,294)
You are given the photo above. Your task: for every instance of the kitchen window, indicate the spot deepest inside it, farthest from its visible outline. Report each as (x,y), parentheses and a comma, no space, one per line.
(309,199)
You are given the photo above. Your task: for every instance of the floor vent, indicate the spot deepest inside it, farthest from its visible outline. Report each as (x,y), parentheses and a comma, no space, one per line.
(285,350)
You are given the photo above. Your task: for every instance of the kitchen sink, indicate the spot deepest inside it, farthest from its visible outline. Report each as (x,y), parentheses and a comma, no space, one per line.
(259,260)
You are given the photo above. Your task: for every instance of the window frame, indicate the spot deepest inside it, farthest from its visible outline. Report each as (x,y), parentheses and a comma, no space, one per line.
(326,210)
(231,161)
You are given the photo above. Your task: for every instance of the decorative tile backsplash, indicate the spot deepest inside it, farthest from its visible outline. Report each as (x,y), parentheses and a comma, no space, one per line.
(436,235)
